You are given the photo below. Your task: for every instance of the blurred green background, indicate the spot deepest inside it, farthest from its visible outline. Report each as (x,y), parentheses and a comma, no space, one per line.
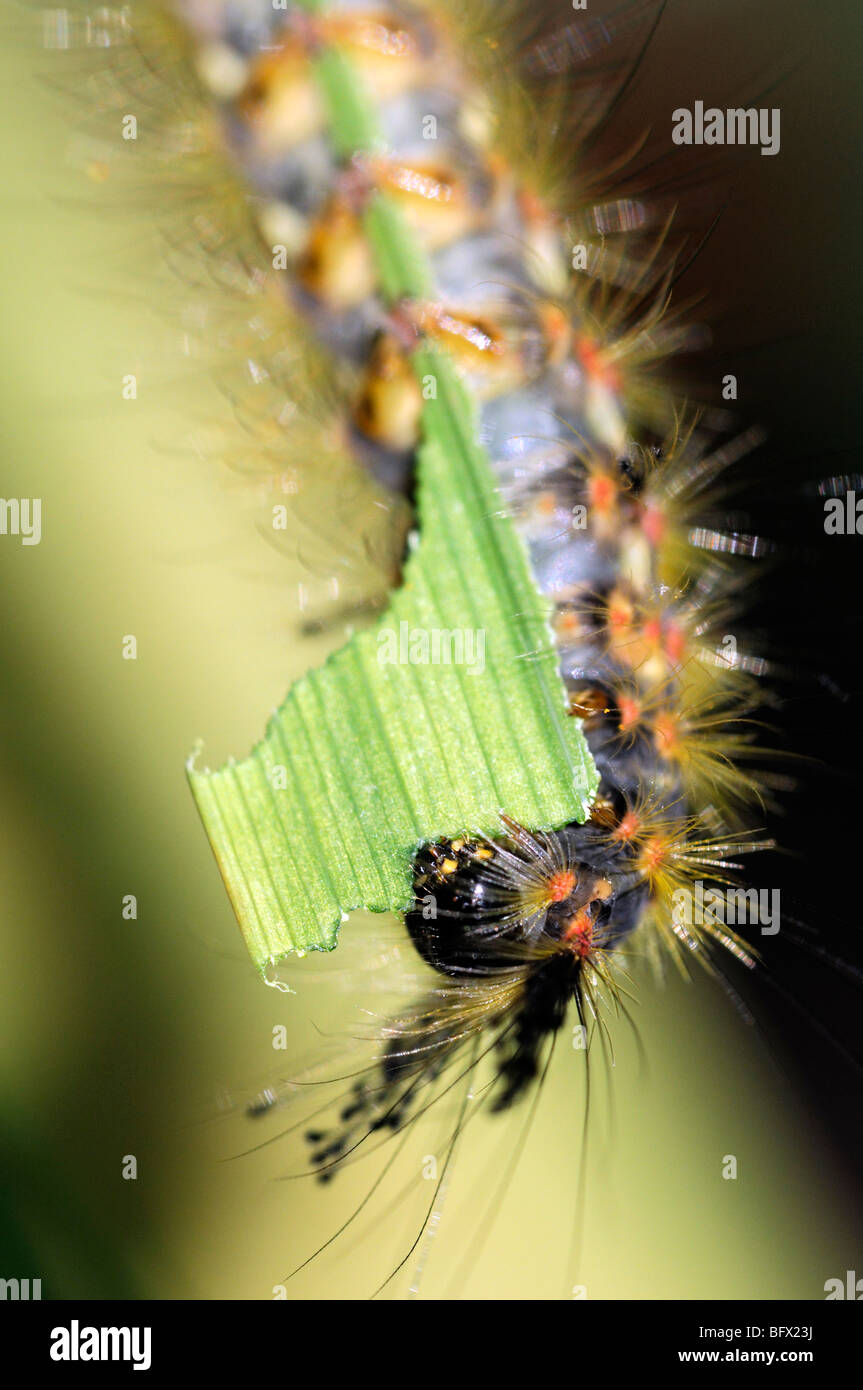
(119,1037)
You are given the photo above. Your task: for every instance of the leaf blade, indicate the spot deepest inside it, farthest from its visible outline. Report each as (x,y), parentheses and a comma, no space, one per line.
(368,758)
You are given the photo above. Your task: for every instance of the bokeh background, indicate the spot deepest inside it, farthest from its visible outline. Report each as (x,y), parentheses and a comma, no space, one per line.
(125,1037)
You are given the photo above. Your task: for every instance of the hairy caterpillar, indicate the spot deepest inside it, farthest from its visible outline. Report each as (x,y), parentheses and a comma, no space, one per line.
(549,905)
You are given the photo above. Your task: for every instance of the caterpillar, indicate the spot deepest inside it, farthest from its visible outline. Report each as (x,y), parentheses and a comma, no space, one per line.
(428,252)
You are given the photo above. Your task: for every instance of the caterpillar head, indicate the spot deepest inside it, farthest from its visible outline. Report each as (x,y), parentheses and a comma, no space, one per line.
(487,906)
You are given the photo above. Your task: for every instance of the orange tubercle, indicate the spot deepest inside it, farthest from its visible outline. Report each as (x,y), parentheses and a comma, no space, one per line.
(468,336)
(629,710)
(620,612)
(373,31)
(532,206)
(627,828)
(653,855)
(666,732)
(593,361)
(567,623)
(602,492)
(579,933)
(653,525)
(560,885)
(652,630)
(675,644)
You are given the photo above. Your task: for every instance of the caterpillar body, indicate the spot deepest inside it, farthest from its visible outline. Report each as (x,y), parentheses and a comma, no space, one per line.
(525,923)
(550,294)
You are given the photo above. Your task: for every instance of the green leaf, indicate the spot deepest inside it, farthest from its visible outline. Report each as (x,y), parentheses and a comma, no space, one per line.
(373,754)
